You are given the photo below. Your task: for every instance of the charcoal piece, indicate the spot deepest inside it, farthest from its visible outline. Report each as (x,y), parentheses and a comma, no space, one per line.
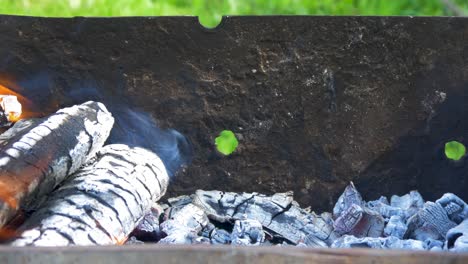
(101,203)
(360,222)
(321,228)
(349,197)
(460,245)
(423,232)
(179,200)
(386,210)
(220,236)
(176,203)
(180,236)
(277,213)
(189,217)
(184,225)
(207,230)
(328,218)
(410,202)
(395,227)
(247,232)
(148,229)
(431,221)
(456,208)
(432,244)
(395,243)
(36,155)
(383,200)
(348,241)
(457,238)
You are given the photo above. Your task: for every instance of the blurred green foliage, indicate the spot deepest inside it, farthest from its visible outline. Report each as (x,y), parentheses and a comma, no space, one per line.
(210,11)
(226,142)
(454,150)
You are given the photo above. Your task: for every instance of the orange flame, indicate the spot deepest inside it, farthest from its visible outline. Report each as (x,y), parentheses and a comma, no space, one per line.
(119,240)
(23,101)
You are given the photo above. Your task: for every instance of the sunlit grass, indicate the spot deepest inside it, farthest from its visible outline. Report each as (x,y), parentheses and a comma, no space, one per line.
(210,11)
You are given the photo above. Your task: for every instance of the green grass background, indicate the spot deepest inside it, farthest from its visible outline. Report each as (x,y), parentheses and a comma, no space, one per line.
(210,11)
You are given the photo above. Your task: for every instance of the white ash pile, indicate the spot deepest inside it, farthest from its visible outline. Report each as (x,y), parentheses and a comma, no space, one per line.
(215,217)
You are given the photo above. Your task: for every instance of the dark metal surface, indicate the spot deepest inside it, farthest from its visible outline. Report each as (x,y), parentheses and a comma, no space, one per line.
(315,101)
(220,254)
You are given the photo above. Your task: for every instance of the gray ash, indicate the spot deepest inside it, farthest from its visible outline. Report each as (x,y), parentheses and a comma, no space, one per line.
(252,219)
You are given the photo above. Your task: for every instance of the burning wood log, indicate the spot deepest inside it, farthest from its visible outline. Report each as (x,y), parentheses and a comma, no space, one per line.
(37,154)
(100,204)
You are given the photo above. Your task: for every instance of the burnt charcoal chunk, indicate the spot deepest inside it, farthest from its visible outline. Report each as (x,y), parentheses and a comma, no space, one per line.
(360,222)
(432,244)
(180,236)
(456,208)
(189,217)
(184,225)
(279,214)
(349,197)
(148,229)
(386,210)
(431,221)
(457,238)
(348,241)
(410,202)
(247,233)
(220,236)
(395,227)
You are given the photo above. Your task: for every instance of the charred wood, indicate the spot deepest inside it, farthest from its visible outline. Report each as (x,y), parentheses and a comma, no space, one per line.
(457,238)
(279,214)
(101,203)
(184,226)
(37,154)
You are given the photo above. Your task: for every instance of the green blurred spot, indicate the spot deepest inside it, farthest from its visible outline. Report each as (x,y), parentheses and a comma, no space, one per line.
(209,21)
(226,142)
(454,150)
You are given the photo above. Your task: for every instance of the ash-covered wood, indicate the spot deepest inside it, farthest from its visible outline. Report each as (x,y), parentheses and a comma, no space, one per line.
(37,154)
(457,237)
(184,225)
(430,222)
(278,213)
(101,203)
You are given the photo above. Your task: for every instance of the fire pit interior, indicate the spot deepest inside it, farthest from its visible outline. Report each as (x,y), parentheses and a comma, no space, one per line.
(341,125)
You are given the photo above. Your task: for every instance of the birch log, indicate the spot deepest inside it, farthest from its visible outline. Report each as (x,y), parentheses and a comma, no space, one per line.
(37,154)
(102,203)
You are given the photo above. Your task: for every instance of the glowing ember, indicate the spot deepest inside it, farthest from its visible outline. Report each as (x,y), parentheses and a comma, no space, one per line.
(11,107)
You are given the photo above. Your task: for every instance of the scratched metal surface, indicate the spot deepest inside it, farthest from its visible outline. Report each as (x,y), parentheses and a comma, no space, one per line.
(315,101)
